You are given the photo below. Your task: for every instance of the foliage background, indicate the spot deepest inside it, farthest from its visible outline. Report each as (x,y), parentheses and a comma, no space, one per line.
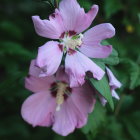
(18,45)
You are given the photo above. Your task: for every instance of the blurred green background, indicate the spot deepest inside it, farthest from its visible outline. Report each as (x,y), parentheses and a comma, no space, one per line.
(19,44)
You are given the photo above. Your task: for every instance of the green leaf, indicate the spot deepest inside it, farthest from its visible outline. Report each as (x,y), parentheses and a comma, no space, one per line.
(111,7)
(130,124)
(96,118)
(85,4)
(102,86)
(134,72)
(11,29)
(14,49)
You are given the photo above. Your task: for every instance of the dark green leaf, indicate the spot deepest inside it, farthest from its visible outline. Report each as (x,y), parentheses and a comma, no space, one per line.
(102,86)
(96,118)
(111,7)
(134,72)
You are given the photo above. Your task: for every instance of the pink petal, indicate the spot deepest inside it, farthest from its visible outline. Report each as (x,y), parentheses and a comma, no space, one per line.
(52,28)
(77,64)
(96,51)
(115,95)
(34,70)
(36,84)
(68,118)
(113,82)
(84,98)
(98,33)
(102,99)
(74,17)
(91,42)
(38,109)
(49,57)
(61,75)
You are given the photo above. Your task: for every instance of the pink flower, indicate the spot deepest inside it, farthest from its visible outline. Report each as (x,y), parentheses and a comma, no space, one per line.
(114,84)
(55,104)
(66,25)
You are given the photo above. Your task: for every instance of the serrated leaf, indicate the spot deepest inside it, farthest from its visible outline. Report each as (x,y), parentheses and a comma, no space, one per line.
(102,86)
(134,72)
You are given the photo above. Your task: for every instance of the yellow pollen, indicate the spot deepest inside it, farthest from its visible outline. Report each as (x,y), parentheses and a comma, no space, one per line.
(70,43)
(61,88)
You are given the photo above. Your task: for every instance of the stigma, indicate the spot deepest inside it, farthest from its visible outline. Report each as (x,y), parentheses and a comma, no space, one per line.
(72,42)
(61,90)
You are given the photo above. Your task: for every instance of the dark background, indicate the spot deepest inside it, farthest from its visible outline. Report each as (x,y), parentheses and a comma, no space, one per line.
(19,44)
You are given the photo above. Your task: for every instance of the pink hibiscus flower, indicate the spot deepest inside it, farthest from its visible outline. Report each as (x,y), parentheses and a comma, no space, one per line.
(55,104)
(66,25)
(114,84)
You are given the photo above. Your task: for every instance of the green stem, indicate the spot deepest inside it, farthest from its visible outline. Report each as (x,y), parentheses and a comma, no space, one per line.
(117,110)
(56,3)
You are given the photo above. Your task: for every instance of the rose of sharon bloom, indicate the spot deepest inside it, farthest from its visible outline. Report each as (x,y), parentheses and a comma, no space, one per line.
(114,84)
(55,104)
(67,24)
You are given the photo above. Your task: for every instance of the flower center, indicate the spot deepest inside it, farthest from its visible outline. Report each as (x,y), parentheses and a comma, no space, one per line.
(60,90)
(71,42)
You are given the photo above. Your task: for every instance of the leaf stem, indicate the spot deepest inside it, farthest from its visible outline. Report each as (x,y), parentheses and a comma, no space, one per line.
(117,110)
(56,3)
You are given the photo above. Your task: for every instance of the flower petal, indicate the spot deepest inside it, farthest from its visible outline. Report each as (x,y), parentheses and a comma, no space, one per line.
(98,33)
(52,28)
(36,84)
(49,57)
(113,82)
(115,95)
(68,118)
(61,75)
(83,98)
(38,109)
(34,70)
(74,17)
(77,64)
(102,99)
(96,51)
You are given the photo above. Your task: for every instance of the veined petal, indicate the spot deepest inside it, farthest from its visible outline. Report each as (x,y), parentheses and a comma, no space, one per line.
(52,28)
(113,82)
(84,98)
(95,35)
(74,17)
(61,75)
(96,51)
(68,118)
(85,19)
(36,84)
(77,64)
(38,109)
(49,57)
(34,70)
